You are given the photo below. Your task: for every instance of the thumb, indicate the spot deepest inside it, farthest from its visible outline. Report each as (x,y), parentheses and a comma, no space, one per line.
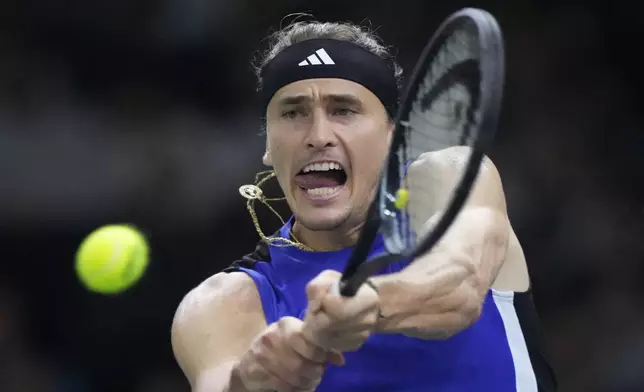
(335,358)
(320,286)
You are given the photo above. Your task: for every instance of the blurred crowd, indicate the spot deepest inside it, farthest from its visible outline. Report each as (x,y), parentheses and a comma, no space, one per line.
(144,112)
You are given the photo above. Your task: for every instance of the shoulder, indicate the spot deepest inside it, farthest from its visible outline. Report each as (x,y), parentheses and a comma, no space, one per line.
(215,321)
(216,292)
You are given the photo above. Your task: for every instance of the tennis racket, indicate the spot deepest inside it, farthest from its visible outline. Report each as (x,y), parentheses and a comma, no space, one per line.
(453,99)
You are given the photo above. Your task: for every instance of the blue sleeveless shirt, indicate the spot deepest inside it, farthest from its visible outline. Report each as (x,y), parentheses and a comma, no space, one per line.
(501,352)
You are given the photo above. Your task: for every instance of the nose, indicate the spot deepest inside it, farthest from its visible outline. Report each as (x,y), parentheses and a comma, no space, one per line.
(321,134)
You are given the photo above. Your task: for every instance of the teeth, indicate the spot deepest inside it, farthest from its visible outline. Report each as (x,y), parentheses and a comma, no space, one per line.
(325,166)
(322,191)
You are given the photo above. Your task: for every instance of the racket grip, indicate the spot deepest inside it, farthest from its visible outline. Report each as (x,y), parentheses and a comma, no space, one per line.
(344,288)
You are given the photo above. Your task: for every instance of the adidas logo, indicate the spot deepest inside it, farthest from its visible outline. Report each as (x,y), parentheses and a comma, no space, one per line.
(318,58)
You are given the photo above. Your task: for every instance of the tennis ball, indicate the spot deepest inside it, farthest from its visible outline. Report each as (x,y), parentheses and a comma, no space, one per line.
(402,197)
(111,259)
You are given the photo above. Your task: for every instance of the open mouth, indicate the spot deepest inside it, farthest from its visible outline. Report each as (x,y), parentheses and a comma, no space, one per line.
(321,179)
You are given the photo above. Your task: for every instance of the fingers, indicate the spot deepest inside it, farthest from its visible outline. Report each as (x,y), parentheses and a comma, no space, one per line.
(335,358)
(320,287)
(284,360)
(319,292)
(292,331)
(364,304)
(276,374)
(363,321)
(348,337)
(333,321)
(289,329)
(259,371)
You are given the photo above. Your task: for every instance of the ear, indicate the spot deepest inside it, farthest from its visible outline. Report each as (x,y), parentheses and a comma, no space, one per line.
(390,134)
(266,159)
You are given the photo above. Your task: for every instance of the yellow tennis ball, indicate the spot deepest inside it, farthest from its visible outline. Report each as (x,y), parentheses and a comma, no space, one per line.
(402,197)
(112,259)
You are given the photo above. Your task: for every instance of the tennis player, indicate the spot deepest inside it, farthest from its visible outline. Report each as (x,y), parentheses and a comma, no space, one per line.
(459,318)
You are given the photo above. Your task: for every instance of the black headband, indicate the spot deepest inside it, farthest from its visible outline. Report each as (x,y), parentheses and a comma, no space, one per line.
(330,58)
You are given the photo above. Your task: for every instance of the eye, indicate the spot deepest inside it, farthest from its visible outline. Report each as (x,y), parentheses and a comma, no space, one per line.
(295,112)
(343,112)
(289,113)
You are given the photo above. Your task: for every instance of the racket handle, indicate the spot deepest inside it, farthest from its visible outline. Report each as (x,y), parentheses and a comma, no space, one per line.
(344,288)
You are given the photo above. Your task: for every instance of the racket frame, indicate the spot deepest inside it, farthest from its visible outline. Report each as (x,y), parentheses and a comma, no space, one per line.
(382,215)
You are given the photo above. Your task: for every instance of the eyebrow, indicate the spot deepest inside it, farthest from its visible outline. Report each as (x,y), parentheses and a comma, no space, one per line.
(337,98)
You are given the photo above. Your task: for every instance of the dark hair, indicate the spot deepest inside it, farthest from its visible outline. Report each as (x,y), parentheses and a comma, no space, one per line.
(299,31)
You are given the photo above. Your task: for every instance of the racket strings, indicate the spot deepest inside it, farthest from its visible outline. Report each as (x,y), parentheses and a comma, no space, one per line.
(440,126)
(445,110)
(444,120)
(254,193)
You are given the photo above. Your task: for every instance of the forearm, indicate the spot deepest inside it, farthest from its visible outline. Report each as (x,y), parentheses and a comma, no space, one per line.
(223,378)
(408,309)
(441,293)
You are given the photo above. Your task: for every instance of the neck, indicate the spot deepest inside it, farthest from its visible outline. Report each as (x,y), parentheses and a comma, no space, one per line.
(327,240)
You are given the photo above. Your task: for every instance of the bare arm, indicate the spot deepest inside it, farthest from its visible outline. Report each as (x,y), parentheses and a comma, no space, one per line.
(442,292)
(213,327)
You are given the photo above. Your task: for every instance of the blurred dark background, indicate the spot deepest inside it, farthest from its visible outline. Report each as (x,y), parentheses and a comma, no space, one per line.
(143,112)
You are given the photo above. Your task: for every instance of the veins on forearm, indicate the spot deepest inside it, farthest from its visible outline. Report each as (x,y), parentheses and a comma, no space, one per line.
(434,304)
(442,292)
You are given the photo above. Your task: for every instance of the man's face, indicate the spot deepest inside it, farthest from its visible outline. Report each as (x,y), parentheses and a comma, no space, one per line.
(327,140)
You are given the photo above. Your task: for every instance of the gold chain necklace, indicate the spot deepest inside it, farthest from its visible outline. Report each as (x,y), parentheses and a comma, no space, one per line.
(253,192)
